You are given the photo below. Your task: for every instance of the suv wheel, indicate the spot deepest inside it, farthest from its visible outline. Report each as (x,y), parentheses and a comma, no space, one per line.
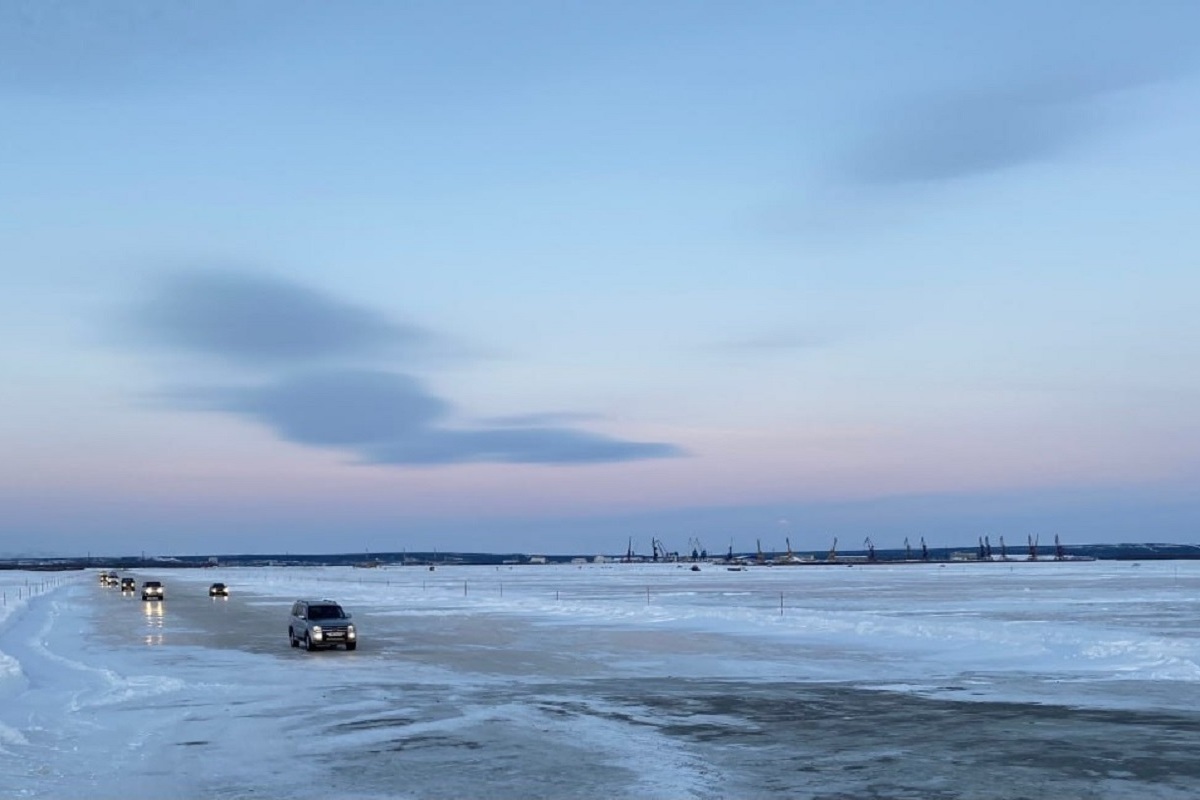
(308,643)
(351,645)
(292,638)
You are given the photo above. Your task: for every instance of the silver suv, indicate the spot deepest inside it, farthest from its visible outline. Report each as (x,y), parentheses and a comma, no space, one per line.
(320,623)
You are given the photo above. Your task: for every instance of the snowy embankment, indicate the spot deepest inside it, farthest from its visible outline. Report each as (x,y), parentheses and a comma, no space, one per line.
(17,589)
(18,586)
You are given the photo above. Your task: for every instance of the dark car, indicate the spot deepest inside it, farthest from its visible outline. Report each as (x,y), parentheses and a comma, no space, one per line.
(218,590)
(321,623)
(153,590)
(128,585)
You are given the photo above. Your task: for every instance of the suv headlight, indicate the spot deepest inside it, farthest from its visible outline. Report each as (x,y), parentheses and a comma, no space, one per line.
(316,631)
(350,634)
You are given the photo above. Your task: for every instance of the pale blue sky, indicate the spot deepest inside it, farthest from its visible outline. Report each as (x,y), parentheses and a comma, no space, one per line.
(544,276)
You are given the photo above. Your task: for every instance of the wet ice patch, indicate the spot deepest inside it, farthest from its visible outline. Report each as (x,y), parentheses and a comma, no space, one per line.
(658,765)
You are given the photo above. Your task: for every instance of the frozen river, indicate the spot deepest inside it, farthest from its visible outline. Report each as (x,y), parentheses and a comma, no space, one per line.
(1024,680)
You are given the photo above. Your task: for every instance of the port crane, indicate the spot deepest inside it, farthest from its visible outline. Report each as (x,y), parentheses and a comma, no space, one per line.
(661,552)
(791,557)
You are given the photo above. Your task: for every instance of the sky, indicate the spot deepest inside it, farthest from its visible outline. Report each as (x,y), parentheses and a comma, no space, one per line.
(554,276)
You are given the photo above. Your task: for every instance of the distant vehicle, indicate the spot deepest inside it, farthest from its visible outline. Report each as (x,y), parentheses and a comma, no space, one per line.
(218,590)
(153,590)
(128,585)
(109,579)
(320,623)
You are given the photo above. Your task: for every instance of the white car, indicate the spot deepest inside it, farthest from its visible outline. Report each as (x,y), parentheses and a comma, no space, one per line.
(321,623)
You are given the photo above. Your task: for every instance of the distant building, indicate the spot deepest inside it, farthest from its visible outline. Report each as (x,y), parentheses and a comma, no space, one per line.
(537,559)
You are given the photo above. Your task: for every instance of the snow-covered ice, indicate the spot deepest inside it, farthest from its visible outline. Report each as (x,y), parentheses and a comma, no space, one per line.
(922,680)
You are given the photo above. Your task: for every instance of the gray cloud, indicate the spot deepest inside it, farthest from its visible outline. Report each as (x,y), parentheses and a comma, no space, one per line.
(256,320)
(307,348)
(88,44)
(960,137)
(546,418)
(517,446)
(339,408)
(388,418)
(985,130)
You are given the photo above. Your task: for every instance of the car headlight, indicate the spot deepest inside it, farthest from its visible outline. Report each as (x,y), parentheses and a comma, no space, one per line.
(316,631)
(350,633)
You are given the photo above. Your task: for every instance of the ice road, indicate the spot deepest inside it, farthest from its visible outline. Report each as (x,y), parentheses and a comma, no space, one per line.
(1066,680)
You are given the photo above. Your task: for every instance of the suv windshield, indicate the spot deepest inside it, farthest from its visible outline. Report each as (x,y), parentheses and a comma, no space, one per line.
(325,612)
